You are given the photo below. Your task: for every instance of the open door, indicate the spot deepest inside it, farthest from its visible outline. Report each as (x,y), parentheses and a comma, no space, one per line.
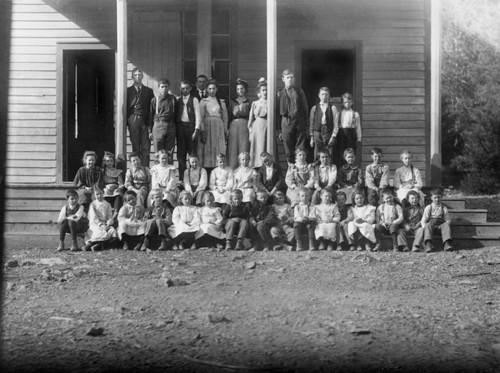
(88,107)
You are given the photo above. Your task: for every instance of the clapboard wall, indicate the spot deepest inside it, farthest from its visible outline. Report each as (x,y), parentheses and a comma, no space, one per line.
(36,29)
(393,36)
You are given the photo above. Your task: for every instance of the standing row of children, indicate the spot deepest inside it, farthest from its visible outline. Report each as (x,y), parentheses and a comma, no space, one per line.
(243,199)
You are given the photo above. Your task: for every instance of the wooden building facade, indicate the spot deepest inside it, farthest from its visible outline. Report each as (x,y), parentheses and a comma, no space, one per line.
(66,84)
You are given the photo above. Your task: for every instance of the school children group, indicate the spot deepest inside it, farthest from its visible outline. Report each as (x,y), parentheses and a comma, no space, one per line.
(316,207)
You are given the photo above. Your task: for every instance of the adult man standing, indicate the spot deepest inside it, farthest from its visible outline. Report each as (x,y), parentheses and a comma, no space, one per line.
(293,110)
(188,125)
(201,87)
(138,104)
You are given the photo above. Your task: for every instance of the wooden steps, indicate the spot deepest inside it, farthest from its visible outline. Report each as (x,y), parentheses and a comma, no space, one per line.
(31,213)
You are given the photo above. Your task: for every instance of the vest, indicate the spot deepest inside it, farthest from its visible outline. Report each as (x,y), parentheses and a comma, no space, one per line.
(316,126)
(190,109)
(284,101)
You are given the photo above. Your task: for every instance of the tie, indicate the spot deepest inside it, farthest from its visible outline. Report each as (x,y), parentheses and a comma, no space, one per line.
(203,94)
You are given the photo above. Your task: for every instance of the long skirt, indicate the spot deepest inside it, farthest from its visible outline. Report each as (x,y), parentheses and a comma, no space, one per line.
(258,141)
(238,141)
(215,142)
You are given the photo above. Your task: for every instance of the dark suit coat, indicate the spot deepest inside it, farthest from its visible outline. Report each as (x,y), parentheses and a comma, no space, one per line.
(276,179)
(196,93)
(145,99)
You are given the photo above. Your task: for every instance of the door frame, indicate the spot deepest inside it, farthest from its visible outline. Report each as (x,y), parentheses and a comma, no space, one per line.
(60,49)
(355,45)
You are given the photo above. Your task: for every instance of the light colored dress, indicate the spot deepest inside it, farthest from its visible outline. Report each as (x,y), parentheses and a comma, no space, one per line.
(164,178)
(130,220)
(214,123)
(238,131)
(221,178)
(367,227)
(244,180)
(184,220)
(210,219)
(297,176)
(99,214)
(326,217)
(138,179)
(406,179)
(257,127)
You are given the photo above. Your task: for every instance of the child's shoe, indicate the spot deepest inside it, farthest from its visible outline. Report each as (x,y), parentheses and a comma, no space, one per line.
(368,247)
(288,247)
(125,246)
(193,246)
(395,248)
(138,247)
(448,246)
(376,247)
(352,248)
(60,247)
(329,247)
(220,247)
(74,246)
(239,244)
(175,247)
(163,245)
(415,248)
(339,247)
(428,247)
(312,245)
(322,245)
(145,244)
(95,247)
(87,246)
(299,246)
(277,247)
(181,245)
(359,248)
(229,245)
(266,248)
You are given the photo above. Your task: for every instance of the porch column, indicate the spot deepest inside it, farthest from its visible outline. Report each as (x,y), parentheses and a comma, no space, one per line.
(204,25)
(435,140)
(121,80)
(271,76)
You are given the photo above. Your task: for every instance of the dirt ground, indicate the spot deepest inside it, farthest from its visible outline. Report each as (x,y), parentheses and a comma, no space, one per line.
(203,311)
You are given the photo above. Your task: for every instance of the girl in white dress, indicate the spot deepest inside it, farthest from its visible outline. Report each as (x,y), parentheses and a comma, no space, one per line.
(257,125)
(214,118)
(210,217)
(408,178)
(361,231)
(101,222)
(244,179)
(185,223)
(164,177)
(326,215)
(221,181)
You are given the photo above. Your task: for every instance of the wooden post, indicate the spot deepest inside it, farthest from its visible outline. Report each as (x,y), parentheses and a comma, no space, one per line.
(204,24)
(435,135)
(121,80)
(271,77)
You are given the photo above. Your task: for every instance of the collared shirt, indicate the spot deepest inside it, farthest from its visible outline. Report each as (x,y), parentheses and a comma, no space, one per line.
(269,172)
(349,119)
(196,106)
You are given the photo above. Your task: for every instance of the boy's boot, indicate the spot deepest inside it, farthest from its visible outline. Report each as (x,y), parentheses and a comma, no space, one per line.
(448,246)
(312,245)
(428,246)
(300,243)
(239,244)
(145,244)
(163,245)
(60,247)
(395,247)
(74,246)
(229,245)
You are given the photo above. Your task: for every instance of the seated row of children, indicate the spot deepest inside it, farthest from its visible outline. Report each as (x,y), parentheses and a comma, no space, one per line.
(268,224)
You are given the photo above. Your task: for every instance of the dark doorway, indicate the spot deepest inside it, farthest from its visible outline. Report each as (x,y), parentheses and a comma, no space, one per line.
(332,68)
(88,107)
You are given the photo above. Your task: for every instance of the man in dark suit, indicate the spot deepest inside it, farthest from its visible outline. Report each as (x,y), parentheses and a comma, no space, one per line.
(138,102)
(269,176)
(201,87)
